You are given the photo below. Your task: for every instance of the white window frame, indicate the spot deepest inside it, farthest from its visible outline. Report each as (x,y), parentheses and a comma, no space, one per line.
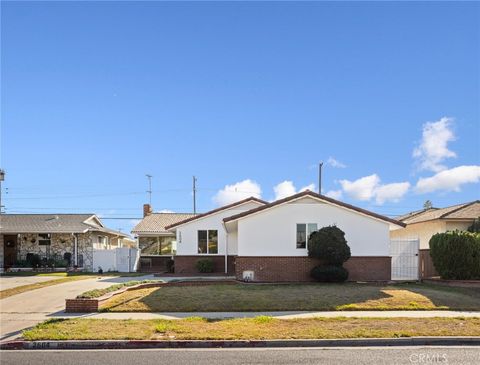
(306,234)
(208,248)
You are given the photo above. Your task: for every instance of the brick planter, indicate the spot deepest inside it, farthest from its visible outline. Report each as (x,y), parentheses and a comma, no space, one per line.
(84,305)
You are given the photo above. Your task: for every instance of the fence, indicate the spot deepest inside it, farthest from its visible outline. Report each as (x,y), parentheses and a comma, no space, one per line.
(427,270)
(119,259)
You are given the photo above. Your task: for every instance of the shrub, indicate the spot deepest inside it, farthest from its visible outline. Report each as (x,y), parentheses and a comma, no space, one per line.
(330,273)
(205,265)
(170,265)
(33,260)
(456,255)
(475,227)
(330,245)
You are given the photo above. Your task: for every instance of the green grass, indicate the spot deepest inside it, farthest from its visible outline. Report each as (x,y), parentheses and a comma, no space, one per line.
(251,328)
(298,297)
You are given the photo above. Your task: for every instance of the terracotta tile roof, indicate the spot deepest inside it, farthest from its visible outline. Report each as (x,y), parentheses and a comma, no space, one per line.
(156,222)
(198,216)
(318,196)
(51,223)
(460,211)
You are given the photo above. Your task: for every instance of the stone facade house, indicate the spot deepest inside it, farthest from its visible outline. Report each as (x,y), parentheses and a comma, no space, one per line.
(423,224)
(59,238)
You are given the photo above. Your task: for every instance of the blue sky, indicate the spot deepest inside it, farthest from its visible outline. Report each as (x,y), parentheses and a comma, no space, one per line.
(251,95)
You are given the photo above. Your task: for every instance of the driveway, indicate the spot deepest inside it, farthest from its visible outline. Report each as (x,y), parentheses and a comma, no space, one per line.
(27,309)
(8,282)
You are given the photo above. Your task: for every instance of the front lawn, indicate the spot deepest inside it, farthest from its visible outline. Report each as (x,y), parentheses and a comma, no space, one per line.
(258,328)
(294,297)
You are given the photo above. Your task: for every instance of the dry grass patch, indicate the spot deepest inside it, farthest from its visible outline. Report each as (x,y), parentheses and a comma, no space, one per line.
(294,297)
(260,328)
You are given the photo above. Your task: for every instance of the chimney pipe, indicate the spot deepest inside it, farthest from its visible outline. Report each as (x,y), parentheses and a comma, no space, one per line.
(147,210)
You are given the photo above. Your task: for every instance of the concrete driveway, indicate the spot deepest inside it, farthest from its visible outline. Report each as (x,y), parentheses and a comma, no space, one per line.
(24,310)
(8,282)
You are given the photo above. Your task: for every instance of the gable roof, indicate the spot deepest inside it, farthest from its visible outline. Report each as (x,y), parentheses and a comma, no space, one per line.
(466,211)
(317,196)
(225,207)
(156,222)
(53,223)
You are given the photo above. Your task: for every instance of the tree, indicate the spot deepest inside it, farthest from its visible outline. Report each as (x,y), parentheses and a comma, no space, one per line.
(475,227)
(427,205)
(329,244)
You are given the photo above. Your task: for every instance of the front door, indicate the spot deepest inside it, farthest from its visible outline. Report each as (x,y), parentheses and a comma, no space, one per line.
(9,250)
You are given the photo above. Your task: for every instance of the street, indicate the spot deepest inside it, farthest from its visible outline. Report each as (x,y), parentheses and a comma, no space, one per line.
(371,355)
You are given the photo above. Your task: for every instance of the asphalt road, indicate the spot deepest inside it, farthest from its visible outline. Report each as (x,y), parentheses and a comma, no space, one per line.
(357,356)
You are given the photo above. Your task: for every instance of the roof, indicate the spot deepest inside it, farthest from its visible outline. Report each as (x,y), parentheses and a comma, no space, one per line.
(466,211)
(225,207)
(156,222)
(318,196)
(53,223)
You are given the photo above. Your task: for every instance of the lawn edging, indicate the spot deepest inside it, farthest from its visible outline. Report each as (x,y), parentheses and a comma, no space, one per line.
(145,344)
(88,305)
(453,283)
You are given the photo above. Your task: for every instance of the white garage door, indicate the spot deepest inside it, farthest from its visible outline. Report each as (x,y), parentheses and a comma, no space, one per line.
(404,259)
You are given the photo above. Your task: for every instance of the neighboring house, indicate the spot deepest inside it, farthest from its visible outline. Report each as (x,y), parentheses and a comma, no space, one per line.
(157,244)
(268,241)
(423,224)
(71,237)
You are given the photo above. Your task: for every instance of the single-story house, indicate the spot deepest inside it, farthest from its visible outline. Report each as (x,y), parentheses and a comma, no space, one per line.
(58,237)
(268,241)
(423,224)
(157,245)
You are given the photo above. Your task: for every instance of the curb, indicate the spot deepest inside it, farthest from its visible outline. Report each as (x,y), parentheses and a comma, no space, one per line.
(148,344)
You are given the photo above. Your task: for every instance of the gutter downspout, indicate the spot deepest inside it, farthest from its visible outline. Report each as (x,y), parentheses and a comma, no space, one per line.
(75,249)
(226,248)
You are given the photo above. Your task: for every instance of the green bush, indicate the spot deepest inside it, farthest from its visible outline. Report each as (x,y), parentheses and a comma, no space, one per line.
(329,244)
(475,227)
(204,265)
(33,260)
(333,274)
(456,255)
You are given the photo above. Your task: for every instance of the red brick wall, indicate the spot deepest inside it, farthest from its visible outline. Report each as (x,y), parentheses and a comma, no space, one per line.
(186,264)
(292,268)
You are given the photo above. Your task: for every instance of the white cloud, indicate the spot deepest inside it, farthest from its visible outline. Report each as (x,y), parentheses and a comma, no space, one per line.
(433,149)
(361,189)
(369,187)
(310,187)
(238,191)
(284,189)
(334,194)
(449,180)
(335,163)
(391,192)
(166,211)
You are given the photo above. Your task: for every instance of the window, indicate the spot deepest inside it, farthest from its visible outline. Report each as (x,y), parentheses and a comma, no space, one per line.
(102,242)
(304,231)
(44,239)
(208,241)
(157,245)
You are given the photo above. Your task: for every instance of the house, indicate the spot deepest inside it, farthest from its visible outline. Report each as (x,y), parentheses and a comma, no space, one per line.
(56,237)
(157,245)
(423,224)
(268,241)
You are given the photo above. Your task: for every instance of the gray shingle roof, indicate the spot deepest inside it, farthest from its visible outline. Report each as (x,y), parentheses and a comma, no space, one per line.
(51,223)
(460,211)
(156,222)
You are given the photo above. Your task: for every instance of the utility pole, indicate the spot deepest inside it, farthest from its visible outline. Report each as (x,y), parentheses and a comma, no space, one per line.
(194,195)
(2,177)
(149,191)
(320,165)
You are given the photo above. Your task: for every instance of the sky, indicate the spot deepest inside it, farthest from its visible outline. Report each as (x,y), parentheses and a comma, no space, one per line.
(247,96)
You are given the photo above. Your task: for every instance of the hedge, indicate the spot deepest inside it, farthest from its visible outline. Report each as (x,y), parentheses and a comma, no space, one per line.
(456,255)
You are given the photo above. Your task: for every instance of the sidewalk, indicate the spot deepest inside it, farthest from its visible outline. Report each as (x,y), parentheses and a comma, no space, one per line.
(279,315)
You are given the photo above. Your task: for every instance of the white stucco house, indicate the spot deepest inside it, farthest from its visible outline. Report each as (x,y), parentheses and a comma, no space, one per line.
(268,241)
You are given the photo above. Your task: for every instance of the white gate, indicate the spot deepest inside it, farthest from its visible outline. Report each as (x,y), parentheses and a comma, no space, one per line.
(404,259)
(120,259)
(127,259)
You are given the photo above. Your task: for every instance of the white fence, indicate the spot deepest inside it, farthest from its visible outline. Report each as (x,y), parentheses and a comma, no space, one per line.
(404,259)
(119,259)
